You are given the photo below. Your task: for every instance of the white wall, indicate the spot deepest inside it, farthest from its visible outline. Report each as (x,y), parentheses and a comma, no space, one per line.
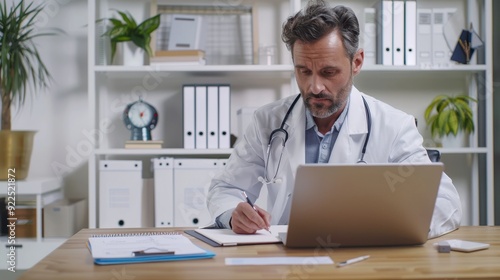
(60,113)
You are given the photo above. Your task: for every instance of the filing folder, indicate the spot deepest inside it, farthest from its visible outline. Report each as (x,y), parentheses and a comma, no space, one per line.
(212,117)
(120,193)
(201,117)
(384,31)
(188,104)
(440,50)
(370,37)
(410,32)
(163,170)
(224,117)
(398,16)
(192,179)
(424,38)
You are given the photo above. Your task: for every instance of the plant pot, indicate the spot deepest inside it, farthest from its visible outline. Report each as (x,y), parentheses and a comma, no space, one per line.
(452,141)
(15,153)
(132,55)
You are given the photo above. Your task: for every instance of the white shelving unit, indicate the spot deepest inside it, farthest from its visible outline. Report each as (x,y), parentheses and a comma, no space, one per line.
(409,88)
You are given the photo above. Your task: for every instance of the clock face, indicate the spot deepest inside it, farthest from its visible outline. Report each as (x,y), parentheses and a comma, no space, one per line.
(140,114)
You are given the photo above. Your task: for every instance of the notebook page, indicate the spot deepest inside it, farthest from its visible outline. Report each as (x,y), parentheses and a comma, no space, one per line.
(124,246)
(228,237)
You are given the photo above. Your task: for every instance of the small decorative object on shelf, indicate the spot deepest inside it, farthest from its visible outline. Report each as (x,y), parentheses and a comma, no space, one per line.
(466,44)
(127,30)
(450,116)
(140,117)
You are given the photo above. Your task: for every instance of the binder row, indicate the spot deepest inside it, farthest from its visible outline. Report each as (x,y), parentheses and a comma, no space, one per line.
(206,116)
(397,33)
(433,50)
(396,29)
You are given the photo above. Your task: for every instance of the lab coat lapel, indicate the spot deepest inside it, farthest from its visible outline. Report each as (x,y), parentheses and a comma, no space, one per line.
(347,148)
(295,146)
(295,155)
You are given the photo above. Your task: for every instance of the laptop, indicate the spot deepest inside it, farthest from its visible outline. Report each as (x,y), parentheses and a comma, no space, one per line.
(362,205)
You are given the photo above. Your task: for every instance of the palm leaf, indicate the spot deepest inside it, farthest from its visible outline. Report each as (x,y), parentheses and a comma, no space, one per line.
(21,66)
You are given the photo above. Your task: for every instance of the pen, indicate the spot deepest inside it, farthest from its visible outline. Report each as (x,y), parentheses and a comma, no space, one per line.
(253,206)
(351,261)
(144,253)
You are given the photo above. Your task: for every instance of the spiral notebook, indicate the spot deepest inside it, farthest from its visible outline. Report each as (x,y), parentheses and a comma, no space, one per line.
(144,247)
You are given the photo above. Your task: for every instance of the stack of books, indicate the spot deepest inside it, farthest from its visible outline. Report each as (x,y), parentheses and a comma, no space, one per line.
(151,144)
(179,57)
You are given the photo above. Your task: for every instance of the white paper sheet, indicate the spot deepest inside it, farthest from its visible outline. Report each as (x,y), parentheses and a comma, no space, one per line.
(280,261)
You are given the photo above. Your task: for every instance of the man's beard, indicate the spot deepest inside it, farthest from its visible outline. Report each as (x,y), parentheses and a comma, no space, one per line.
(320,110)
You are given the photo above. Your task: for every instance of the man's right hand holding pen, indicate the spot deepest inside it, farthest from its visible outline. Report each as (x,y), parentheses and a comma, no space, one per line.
(248,218)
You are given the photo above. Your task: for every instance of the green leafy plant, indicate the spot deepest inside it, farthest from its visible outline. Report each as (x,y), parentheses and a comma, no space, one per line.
(126,29)
(20,62)
(447,115)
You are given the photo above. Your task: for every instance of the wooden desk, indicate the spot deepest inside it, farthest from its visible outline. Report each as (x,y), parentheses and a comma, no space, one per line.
(73,261)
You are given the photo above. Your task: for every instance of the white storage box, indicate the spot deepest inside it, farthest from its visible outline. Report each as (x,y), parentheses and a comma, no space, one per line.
(64,217)
(120,194)
(163,170)
(192,179)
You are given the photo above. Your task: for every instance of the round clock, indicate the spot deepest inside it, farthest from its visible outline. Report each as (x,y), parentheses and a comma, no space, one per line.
(140,117)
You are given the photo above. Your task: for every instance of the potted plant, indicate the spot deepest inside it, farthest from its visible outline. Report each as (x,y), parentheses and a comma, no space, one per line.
(450,116)
(126,29)
(21,68)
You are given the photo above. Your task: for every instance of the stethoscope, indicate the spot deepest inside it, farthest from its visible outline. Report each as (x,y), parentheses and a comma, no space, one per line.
(281,133)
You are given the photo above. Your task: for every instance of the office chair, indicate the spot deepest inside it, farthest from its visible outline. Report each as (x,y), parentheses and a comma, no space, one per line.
(433,154)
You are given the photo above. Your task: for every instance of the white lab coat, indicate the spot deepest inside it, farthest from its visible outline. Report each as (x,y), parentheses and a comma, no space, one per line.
(394,138)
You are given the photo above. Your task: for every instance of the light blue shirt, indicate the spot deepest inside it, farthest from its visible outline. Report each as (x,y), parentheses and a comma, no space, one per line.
(318,150)
(319,146)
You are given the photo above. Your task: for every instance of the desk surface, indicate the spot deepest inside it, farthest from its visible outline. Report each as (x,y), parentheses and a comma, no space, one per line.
(72,260)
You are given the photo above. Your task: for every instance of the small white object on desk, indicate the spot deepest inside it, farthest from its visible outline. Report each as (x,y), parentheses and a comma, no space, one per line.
(464,246)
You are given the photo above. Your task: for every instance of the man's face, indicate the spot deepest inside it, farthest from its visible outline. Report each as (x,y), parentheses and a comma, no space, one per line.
(324,74)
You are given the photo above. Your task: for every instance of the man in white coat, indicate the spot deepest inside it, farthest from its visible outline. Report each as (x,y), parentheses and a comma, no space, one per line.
(327,124)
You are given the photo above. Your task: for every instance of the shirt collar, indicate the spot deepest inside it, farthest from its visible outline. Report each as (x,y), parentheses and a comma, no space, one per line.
(338,123)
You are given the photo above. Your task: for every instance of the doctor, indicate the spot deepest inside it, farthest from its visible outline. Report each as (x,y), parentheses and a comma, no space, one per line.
(329,122)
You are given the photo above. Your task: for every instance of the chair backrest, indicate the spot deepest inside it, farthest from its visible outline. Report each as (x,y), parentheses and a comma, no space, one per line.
(434,155)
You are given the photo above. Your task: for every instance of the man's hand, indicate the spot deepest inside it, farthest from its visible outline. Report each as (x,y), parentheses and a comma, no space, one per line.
(246,220)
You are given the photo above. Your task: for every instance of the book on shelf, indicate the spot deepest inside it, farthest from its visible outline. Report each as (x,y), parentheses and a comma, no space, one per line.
(160,63)
(180,53)
(139,144)
(144,247)
(183,57)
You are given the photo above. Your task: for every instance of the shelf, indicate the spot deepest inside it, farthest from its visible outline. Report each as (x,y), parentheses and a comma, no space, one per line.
(33,186)
(283,68)
(173,152)
(278,73)
(227,152)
